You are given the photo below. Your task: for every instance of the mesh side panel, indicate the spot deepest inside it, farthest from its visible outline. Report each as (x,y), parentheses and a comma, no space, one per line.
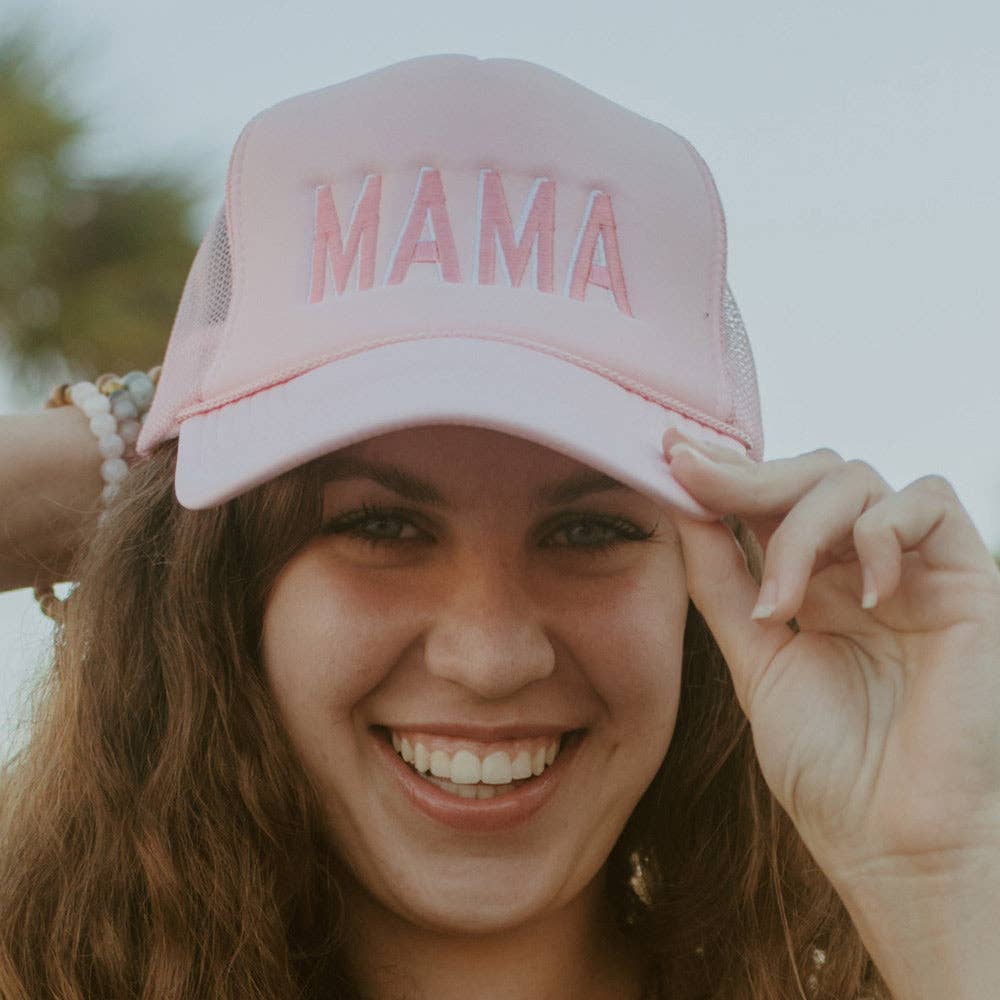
(742,373)
(205,301)
(196,335)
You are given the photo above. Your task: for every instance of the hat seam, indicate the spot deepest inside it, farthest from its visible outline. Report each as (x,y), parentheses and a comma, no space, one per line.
(624,381)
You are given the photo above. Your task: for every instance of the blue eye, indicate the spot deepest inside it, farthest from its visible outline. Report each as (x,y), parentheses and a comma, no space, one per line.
(380,526)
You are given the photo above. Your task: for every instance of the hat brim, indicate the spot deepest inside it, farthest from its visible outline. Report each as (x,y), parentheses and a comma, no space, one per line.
(228,450)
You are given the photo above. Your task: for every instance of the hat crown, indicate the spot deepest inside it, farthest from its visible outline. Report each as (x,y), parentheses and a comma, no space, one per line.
(450,196)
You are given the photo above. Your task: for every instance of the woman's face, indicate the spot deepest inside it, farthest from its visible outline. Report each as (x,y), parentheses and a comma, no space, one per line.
(457,617)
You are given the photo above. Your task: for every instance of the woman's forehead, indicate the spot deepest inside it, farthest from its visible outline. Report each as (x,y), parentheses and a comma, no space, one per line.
(443,442)
(438,465)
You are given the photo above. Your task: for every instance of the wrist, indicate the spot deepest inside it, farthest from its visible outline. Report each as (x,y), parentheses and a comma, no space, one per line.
(931,935)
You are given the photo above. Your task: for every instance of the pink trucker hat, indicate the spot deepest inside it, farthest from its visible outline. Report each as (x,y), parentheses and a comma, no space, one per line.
(454,240)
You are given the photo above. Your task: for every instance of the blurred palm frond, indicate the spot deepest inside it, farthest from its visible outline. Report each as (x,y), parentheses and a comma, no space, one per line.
(91,268)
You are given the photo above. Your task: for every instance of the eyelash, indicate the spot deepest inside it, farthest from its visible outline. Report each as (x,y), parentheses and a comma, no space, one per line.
(350,523)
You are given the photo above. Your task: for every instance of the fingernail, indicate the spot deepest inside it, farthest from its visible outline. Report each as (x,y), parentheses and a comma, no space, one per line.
(687,449)
(869,588)
(766,600)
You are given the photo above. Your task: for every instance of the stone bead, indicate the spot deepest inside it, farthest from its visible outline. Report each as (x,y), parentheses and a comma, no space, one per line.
(113,470)
(108,384)
(110,492)
(122,406)
(102,424)
(128,431)
(94,405)
(141,389)
(111,446)
(81,391)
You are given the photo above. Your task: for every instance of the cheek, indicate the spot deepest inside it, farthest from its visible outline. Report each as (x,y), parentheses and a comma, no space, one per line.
(324,642)
(634,639)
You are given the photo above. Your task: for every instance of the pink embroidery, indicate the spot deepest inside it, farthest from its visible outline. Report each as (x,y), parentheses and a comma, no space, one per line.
(327,242)
(596,258)
(535,232)
(427,207)
(598,227)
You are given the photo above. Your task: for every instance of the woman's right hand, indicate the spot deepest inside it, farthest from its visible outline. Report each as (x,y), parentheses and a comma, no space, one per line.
(50,490)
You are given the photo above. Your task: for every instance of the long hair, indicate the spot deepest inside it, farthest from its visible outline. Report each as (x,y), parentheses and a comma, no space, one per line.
(159,839)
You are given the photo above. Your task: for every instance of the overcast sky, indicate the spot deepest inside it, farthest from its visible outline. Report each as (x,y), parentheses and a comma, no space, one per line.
(856,147)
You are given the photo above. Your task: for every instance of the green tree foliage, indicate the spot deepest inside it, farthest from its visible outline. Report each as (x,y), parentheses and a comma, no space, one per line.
(91,268)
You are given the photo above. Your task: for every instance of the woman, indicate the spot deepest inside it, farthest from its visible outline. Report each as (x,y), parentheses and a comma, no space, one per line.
(414,656)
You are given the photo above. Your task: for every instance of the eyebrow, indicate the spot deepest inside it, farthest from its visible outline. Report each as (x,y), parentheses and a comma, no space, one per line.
(337,468)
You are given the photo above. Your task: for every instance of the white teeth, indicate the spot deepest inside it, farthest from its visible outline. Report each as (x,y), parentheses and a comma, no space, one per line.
(497,769)
(470,791)
(465,774)
(440,764)
(465,768)
(520,766)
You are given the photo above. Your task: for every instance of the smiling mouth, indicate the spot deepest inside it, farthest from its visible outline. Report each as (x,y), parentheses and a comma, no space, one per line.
(471,770)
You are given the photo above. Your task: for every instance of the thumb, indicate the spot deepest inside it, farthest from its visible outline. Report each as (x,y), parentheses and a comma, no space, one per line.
(724,591)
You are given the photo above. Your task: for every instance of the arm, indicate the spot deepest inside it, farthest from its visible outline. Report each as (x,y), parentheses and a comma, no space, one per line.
(932,934)
(50,488)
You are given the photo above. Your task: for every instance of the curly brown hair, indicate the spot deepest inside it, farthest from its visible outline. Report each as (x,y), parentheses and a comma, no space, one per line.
(161,840)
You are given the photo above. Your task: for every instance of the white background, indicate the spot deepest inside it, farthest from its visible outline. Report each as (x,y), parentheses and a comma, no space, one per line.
(855,147)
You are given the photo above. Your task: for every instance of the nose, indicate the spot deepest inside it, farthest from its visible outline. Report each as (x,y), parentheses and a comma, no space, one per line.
(487,635)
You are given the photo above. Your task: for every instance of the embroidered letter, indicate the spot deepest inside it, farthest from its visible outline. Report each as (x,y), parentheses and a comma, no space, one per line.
(533,241)
(598,228)
(428,206)
(328,244)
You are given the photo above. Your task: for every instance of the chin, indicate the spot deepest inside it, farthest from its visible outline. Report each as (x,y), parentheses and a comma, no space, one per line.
(481,897)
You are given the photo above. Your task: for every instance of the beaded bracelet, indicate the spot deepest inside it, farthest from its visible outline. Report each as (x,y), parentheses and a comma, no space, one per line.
(115,406)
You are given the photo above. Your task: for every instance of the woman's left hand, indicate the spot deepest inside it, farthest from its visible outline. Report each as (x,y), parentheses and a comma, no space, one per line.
(877,729)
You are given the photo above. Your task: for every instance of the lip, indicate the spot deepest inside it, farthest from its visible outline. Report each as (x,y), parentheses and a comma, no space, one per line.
(504,812)
(485,734)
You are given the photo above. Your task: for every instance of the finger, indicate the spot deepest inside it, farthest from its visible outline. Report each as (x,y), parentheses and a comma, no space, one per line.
(723,590)
(672,436)
(817,526)
(751,490)
(926,516)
